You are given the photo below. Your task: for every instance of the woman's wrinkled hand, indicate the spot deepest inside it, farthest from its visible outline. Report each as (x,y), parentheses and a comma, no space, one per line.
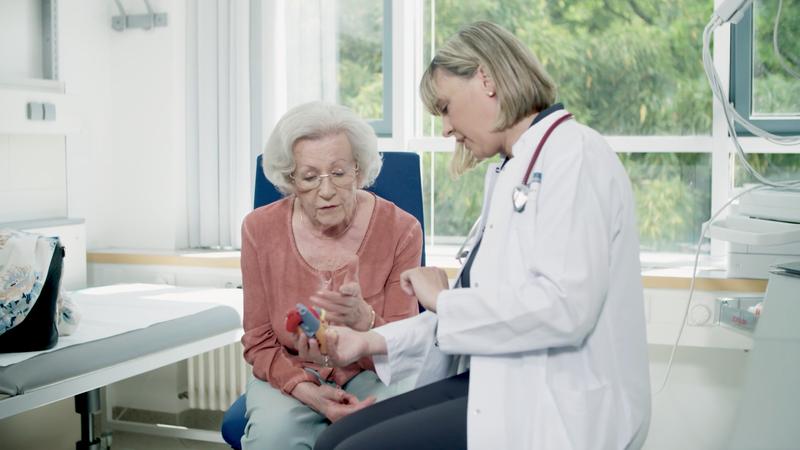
(346,307)
(336,403)
(332,402)
(425,283)
(308,349)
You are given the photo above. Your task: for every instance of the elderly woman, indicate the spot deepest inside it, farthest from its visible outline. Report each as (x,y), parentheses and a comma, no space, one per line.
(321,156)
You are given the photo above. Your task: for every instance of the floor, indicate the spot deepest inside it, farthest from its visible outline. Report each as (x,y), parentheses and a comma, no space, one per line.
(57,427)
(134,441)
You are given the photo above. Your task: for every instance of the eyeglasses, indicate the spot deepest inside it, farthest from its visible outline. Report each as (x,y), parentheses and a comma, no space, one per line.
(342,178)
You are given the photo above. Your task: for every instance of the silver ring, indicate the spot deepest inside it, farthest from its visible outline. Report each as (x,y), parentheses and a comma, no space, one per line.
(325,360)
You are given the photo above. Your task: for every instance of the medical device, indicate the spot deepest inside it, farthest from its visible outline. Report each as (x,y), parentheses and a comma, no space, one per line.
(763,229)
(767,413)
(732,11)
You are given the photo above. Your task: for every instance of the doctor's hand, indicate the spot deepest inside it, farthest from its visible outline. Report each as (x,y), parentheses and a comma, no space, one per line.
(425,283)
(346,307)
(346,346)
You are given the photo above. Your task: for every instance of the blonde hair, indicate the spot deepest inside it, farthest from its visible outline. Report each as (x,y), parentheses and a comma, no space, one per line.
(522,85)
(316,120)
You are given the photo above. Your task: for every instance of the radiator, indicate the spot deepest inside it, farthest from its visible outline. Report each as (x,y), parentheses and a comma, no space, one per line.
(217,378)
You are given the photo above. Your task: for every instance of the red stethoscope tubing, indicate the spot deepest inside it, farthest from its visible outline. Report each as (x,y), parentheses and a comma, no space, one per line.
(547,133)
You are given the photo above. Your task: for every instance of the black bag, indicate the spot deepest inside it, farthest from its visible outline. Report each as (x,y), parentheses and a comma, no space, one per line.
(39,331)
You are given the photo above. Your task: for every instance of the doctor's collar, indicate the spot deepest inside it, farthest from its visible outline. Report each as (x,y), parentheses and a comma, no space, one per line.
(546,112)
(542,114)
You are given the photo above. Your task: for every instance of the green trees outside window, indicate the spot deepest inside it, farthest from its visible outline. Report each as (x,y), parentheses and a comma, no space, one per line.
(776,77)
(360,56)
(624,67)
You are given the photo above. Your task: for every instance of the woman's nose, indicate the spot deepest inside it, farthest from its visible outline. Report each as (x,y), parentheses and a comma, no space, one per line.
(447,127)
(326,188)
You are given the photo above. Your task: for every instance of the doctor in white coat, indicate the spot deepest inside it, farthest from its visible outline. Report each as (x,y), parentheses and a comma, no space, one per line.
(548,310)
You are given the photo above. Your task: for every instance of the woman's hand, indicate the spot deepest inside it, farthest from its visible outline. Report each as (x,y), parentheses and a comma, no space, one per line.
(346,346)
(308,349)
(334,403)
(425,283)
(346,307)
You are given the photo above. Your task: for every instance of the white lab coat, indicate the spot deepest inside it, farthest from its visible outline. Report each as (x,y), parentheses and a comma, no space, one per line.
(553,319)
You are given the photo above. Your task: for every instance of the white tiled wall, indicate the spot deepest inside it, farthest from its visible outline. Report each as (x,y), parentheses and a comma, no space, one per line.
(33,180)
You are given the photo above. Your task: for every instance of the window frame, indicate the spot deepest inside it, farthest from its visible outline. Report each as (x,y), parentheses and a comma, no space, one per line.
(407,112)
(383,126)
(50,80)
(741,81)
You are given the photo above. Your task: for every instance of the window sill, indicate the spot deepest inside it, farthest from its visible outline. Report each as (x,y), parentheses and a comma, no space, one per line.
(659,270)
(186,258)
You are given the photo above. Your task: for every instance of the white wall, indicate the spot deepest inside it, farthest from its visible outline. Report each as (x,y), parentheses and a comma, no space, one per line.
(124,111)
(32,179)
(126,164)
(698,408)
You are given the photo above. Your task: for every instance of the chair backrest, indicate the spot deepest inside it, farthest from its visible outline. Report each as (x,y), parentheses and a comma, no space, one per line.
(400,182)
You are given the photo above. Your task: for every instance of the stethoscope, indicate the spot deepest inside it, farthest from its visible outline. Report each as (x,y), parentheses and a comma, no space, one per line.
(519,197)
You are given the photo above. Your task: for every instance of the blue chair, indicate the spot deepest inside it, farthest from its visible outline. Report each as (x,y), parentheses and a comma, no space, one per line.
(399,182)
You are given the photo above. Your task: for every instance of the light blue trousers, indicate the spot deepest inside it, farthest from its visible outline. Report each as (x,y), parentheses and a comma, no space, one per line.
(276,421)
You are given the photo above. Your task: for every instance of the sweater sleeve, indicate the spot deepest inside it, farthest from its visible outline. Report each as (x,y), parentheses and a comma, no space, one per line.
(262,350)
(397,304)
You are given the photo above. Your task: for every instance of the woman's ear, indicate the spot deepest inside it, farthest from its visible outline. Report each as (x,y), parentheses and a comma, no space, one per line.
(487,83)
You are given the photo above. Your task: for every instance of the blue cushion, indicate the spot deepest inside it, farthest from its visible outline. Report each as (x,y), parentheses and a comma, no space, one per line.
(400,182)
(233,423)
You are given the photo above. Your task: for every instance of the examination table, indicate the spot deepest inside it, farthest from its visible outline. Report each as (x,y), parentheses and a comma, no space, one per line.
(125,330)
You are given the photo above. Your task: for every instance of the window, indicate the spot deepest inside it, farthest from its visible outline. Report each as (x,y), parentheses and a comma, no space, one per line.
(365,60)
(775,166)
(629,69)
(632,69)
(31,26)
(336,51)
(765,66)
(673,198)
(451,205)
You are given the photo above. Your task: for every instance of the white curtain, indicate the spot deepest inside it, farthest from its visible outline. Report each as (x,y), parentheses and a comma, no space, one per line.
(296,56)
(218,121)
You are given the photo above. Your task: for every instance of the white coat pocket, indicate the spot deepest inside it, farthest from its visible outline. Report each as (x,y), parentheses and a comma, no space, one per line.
(585,414)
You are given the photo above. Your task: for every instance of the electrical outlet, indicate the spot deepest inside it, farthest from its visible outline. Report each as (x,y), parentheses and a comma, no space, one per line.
(35,111)
(49,110)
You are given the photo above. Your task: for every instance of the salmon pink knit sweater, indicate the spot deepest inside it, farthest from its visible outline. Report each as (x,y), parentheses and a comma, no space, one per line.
(276,277)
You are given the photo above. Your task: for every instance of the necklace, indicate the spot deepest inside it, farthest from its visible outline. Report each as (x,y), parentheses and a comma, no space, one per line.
(329,237)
